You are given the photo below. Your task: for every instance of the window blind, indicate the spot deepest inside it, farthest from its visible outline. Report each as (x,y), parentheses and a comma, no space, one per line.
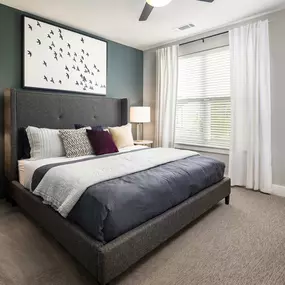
(203,109)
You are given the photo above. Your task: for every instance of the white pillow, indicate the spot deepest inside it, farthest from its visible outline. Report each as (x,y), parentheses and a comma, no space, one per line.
(122,136)
(44,143)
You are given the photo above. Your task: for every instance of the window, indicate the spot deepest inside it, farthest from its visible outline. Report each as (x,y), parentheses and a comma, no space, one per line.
(203,109)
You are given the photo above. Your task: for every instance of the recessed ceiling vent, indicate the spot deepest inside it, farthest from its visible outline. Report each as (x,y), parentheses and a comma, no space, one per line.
(186,27)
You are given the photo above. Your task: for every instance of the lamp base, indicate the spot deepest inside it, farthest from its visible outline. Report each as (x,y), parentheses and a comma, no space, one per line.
(139,132)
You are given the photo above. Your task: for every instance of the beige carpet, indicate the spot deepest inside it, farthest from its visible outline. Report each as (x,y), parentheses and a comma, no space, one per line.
(243,243)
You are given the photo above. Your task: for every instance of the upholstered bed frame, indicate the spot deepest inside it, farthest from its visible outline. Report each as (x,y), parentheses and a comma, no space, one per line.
(57,110)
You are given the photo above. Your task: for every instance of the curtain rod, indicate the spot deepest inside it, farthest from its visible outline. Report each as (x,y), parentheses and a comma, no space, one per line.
(202,39)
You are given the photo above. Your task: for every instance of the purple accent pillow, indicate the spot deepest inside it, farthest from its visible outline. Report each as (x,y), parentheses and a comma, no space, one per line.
(101,142)
(94,128)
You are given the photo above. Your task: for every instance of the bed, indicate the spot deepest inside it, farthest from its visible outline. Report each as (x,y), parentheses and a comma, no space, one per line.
(115,251)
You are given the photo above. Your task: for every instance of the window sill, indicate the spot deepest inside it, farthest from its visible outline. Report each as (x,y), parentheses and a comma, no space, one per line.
(203,149)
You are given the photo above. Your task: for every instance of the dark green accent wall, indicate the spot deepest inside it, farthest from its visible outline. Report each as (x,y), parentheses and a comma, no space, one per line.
(125,68)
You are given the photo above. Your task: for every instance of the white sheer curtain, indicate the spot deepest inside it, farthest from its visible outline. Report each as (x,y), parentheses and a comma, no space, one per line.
(166,94)
(250,150)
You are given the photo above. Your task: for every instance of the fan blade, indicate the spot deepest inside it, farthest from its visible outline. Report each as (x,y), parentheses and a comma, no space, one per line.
(209,1)
(146,12)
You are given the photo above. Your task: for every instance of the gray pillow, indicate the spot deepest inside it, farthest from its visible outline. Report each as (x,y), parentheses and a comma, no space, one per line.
(76,142)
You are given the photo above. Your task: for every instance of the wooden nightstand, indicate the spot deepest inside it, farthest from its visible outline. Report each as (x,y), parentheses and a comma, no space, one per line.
(144,142)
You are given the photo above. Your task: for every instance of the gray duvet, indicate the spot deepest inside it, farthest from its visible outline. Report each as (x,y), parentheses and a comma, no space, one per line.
(109,209)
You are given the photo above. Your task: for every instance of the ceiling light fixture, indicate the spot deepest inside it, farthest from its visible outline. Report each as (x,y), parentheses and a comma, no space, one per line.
(158,3)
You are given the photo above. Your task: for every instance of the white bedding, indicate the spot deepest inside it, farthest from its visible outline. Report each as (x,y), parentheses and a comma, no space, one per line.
(62,186)
(27,167)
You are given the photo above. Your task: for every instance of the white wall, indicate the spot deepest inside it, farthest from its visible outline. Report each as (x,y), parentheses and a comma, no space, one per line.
(277,46)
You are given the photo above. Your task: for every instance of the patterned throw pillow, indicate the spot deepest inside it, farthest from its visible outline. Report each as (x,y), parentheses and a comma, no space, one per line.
(76,142)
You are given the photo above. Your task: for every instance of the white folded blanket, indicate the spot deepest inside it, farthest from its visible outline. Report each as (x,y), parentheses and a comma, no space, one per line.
(62,186)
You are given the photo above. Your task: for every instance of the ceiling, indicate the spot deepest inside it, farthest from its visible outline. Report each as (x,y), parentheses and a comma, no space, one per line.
(117,20)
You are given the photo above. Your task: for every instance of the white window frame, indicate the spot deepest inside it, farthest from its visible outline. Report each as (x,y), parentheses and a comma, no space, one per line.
(194,147)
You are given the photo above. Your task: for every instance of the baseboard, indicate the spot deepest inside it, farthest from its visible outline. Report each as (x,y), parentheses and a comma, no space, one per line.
(278,190)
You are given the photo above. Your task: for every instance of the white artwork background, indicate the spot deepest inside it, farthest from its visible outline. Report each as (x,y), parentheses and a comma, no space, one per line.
(59,59)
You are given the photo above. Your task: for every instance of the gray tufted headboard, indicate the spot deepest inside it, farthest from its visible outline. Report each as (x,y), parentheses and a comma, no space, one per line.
(56,111)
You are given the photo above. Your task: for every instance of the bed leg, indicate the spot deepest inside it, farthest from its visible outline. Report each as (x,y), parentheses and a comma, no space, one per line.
(227,200)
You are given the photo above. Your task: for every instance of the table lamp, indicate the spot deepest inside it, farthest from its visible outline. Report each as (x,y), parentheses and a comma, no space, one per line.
(140,115)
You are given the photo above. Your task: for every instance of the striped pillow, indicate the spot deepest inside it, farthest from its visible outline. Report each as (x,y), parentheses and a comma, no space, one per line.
(44,143)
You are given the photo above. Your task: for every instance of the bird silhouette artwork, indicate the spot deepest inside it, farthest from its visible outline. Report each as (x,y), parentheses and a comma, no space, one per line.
(87,69)
(64,60)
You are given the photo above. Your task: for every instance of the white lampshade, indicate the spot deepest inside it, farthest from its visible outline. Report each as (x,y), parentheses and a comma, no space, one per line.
(158,3)
(140,114)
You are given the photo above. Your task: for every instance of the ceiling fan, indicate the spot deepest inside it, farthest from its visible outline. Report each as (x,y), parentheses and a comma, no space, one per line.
(150,4)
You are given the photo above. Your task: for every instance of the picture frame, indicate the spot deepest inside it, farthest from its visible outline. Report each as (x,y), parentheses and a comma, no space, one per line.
(60,59)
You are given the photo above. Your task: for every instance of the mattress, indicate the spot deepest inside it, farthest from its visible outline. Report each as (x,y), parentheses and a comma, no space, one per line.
(27,167)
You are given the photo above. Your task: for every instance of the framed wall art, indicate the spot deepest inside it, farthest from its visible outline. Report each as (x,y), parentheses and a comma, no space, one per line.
(60,59)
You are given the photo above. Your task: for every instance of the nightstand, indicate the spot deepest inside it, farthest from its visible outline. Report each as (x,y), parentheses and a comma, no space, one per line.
(144,142)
